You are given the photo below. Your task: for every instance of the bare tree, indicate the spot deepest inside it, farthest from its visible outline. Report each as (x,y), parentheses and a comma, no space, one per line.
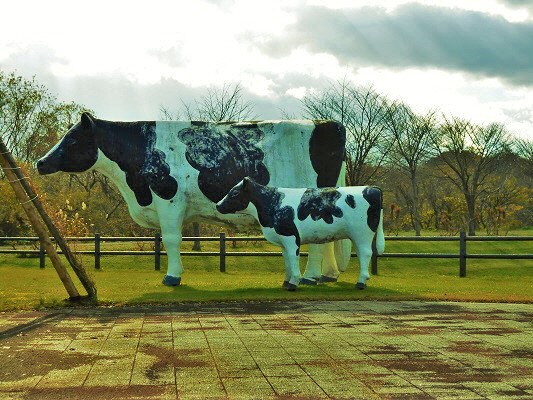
(412,139)
(470,154)
(31,119)
(524,148)
(363,112)
(24,106)
(220,104)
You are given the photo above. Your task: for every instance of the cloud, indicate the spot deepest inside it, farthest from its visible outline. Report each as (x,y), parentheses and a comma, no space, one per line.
(526,4)
(415,36)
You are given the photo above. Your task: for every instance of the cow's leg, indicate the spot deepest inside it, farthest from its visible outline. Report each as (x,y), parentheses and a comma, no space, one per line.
(292,266)
(330,271)
(313,269)
(364,254)
(343,253)
(171,235)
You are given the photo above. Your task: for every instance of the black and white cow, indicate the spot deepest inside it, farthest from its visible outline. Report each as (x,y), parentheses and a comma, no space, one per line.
(175,171)
(291,217)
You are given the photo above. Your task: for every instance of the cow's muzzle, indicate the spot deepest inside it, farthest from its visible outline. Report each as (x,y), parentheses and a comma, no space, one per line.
(46,167)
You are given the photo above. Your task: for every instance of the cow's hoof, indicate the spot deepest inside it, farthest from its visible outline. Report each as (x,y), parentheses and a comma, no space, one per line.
(291,287)
(171,281)
(327,279)
(308,281)
(360,285)
(285,285)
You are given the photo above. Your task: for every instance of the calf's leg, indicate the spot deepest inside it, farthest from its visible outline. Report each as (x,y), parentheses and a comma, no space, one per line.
(364,254)
(292,266)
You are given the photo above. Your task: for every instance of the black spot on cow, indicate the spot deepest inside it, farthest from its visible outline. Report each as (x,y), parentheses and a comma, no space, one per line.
(320,204)
(350,200)
(327,151)
(224,154)
(267,201)
(374,196)
(132,146)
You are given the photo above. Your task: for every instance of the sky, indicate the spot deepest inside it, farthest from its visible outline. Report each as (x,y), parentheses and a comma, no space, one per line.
(471,59)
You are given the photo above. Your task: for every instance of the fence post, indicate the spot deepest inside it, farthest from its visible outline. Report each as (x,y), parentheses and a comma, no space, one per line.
(157,249)
(374,265)
(462,254)
(222,252)
(97,251)
(42,255)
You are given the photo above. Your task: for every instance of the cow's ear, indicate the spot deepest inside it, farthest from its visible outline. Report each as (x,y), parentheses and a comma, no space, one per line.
(245,184)
(87,120)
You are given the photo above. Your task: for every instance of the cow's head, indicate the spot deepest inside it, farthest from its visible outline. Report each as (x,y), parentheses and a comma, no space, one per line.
(77,151)
(237,198)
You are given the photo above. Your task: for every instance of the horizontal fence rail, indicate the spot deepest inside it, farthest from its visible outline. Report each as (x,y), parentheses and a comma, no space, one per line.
(156,240)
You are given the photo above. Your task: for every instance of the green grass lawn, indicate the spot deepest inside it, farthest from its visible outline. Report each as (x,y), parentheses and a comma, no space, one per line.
(132,279)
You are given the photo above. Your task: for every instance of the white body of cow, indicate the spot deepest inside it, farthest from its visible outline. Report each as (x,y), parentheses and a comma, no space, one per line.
(285,154)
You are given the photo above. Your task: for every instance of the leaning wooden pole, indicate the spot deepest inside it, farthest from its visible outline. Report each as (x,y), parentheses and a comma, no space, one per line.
(81,273)
(36,222)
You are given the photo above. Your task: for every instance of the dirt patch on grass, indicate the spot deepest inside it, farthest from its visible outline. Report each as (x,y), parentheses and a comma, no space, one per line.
(522,353)
(96,392)
(411,330)
(204,328)
(493,331)
(473,347)
(23,362)
(170,358)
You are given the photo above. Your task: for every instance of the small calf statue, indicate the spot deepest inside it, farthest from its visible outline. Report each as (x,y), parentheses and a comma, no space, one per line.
(292,217)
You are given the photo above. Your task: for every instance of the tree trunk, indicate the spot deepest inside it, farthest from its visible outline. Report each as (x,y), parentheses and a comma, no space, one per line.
(471,213)
(196,232)
(416,209)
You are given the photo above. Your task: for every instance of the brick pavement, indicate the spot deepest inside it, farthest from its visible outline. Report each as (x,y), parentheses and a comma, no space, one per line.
(314,350)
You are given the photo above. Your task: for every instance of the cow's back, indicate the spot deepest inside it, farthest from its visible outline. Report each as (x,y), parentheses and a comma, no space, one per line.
(278,153)
(208,159)
(287,156)
(303,153)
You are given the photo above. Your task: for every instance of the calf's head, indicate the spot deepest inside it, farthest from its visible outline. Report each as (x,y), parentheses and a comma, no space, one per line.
(237,198)
(77,151)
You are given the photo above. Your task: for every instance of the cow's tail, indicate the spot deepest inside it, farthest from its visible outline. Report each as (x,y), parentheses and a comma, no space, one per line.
(380,236)
(343,248)
(341,181)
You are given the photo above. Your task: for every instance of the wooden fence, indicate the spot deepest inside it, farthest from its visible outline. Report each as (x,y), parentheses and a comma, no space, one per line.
(97,239)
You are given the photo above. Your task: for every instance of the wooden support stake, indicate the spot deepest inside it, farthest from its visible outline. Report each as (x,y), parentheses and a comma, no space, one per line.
(222,252)
(97,251)
(36,222)
(462,254)
(157,251)
(42,256)
(9,164)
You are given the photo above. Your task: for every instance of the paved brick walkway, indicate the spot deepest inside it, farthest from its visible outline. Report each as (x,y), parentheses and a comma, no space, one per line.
(318,350)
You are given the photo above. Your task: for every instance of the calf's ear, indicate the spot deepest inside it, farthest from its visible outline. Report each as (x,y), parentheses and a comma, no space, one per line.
(87,120)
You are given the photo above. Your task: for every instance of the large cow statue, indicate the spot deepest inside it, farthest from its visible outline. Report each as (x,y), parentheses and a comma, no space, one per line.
(170,172)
